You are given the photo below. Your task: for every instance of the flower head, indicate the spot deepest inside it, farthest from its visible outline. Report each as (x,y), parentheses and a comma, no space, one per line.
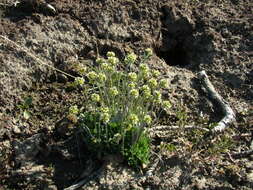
(144,68)
(166,104)
(157,96)
(82,70)
(113,60)
(101,77)
(134,93)
(100,60)
(131,85)
(113,91)
(104,109)
(163,83)
(146,91)
(156,73)
(73,110)
(133,119)
(152,82)
(79,81)
(92,75)
(105,117)
(132,76)
(145,88)
(110,54)
(95,97)
(107,67)
(147,119)
(130,58)
(148,52)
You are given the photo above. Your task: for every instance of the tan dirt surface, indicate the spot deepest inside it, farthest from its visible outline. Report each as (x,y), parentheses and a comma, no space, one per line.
(187,36)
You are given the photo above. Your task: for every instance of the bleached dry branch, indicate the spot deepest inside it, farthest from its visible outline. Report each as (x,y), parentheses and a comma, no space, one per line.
(242,154)
(229,115)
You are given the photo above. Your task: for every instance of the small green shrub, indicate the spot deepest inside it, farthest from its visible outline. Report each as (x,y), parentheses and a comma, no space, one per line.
(122,101)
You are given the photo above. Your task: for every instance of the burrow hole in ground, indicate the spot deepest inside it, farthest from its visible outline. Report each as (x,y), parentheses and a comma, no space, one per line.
(174,32)
(176,56)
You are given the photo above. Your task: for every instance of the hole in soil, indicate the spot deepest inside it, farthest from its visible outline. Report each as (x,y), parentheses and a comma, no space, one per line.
(176,31)
(176,56)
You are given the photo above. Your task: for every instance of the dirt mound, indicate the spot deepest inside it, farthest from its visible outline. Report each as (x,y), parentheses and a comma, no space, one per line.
(186,36)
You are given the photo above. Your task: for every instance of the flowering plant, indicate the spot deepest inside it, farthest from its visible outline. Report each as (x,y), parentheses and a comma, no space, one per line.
(120,104)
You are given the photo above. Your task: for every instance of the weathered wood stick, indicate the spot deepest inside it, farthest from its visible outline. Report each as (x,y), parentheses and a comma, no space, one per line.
(242,154)
(229,115)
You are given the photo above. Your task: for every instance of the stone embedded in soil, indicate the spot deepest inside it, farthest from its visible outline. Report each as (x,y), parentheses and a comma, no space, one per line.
(200,183)
(16,129)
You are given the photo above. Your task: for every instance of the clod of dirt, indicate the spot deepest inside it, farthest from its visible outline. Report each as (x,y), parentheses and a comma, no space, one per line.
(16,129)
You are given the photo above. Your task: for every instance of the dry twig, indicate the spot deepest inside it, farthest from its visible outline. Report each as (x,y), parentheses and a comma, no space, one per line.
(229,115)
(242,154)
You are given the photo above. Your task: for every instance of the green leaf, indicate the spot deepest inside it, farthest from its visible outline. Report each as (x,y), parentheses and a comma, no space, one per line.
(28,101)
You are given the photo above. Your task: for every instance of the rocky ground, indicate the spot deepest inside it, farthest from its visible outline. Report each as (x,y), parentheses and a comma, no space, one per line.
(38,149)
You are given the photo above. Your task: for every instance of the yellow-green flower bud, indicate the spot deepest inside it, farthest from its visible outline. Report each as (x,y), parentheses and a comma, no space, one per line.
(100,60)
(95,97)
(156,73)
(105,117)
(157,96)
(73,110)
(147,119)
(131,85)
(132,76)
(117,137)
(145,88)
(101,77)
(146,75)
(104,109)
(113,60)
(130,58)
(144,67)
(79,81)
(146,91)
(148,52)
(134,93)
(82,70)
(163,83)
(152,82)
(166,104)
(133,119)
(113,91)
(92,76)
(107,67)
(110,54)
